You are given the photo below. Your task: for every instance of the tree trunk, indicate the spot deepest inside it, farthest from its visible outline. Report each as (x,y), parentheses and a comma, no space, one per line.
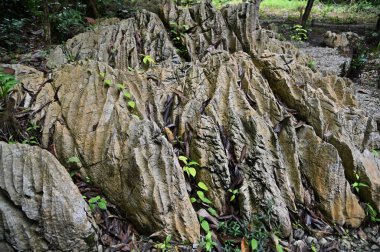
(307,12)
(91,8)
(47,30)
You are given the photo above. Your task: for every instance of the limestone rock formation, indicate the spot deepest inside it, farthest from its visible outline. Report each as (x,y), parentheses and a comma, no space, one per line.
(343,41)
(242,104)
(40,207)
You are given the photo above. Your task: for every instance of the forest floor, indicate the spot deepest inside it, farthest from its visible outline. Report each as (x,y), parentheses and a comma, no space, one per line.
(29,49)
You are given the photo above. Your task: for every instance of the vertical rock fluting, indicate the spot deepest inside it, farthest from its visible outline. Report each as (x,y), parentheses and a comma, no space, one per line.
(127,157)
(243,90)
(40,207)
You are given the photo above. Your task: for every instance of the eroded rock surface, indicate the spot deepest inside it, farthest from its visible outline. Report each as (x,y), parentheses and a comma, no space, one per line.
(40,207)
(242,104)
(344,41)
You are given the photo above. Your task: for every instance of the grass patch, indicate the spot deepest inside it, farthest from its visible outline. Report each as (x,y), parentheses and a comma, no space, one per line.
(360,12)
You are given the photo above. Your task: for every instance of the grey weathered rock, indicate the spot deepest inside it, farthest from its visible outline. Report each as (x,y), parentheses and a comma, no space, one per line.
(302,132)
(40,207)
(298,234)
(122,44)
(343,41)
(322,242)
(300,246)
(128,158)
(345,245)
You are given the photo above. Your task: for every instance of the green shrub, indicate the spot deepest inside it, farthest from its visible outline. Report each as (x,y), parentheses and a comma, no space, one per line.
(68,22)
(7,83)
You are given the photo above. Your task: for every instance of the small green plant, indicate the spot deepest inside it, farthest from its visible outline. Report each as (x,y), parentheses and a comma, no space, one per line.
(312,65)
(120,86)
(207,242)
(11,140)
(232,228)
(376,153)
(177,34)
(254,244)
(299,33)
(102,75)
(30,140)
(372,213)
(203,198)
(147,60)
(166,245)
(131,104)
(356,185)
(313,248)
(7,83)
(234,192)
(97,202)
(189,167)
(107,83)
(73,160)
(68,22)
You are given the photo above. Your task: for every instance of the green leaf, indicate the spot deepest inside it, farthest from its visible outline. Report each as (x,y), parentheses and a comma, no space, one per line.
(193,163)
(254,244)
(233,197)
(279,248)
(148,59)
(183,159)
(92,207)
(136,117)
(192,199)
(102,74)
(192,171)
(208,236)
(212,211)
(159,246)
(130,69)
(120,86)
(202,197)
(94,199)
(131,104)
(102,204)
(128,95)
(363,184)
(205,226)
(202,186)
(375,153)
(168,238)
(73,160)
(355,184)
(108,82)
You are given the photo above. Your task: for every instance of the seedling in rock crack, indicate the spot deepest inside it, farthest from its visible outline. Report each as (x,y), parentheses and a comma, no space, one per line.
(120,86)
(127,95)
(234,193)
(189,166)
(166,245)
(107,83)
(147,59)
(203,186)
(97,201)
(7,83)
(203,198)
(131,104)
(376,153)
(358,184)
(372,213)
